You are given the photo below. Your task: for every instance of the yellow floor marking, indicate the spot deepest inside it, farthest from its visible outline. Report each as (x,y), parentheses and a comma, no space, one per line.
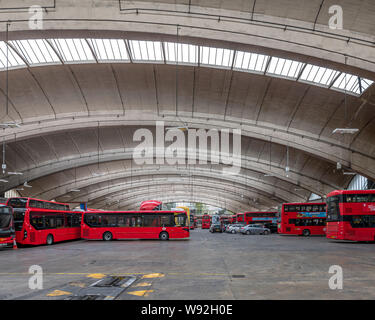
(96,275)
(140,293)
(142,284)
(153,275)
(57,293)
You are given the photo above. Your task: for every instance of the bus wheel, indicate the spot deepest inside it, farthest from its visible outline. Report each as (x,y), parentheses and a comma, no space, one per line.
(49,240)
(107,236)
(163,235)
(306,233)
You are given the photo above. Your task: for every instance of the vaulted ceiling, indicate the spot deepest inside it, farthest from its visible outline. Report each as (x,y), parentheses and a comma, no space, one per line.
(78,118)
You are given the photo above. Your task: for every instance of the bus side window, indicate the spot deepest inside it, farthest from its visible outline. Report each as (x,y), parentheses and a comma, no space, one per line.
(350,198)
(121,221)
(37,222)
(59,221)
(49,222)
(151,221)
(68,220)
(362,198)
(166,221)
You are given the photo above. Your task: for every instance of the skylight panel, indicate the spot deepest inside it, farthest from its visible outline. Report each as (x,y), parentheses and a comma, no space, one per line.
(250,61)
(320,75)
(216,57)
(73,50)
(347,82)
(36,51)
(14,60)
(284,67)
(365,83)
(109,49)
(146,50)
(186,53)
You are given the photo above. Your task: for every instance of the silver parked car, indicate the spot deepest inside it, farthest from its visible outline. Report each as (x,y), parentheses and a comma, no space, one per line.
(255,229)
(234,228)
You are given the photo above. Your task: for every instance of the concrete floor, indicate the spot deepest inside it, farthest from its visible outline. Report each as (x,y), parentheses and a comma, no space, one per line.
(208,266)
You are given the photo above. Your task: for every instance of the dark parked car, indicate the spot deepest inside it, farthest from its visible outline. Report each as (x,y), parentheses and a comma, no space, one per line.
(216,228)
(271,226)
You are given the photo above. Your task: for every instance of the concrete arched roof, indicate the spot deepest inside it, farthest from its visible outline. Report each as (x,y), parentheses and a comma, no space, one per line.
(61,106)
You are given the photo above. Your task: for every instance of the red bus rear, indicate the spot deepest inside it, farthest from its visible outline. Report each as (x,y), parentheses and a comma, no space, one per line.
(303,219)
(151,205)
(206,221)
(351,215)
(240,218)
(7,233)
(44,222)
(225,220)
(145,224)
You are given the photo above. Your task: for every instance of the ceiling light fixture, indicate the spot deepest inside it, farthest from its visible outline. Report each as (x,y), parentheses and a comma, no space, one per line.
(346,130)
(14,173)
(27,185)
(75,190)
(349,173)
(3,180)
(10,125)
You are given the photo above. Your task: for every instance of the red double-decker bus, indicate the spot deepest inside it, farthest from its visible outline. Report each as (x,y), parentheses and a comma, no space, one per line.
(7,232)
(44,222)
(351,215)
(233,219)
(261,217)
(302,218)
(145,224)
(267,218)
(206,221)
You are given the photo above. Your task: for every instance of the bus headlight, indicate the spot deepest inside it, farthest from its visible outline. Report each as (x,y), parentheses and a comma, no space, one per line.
(25,234)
